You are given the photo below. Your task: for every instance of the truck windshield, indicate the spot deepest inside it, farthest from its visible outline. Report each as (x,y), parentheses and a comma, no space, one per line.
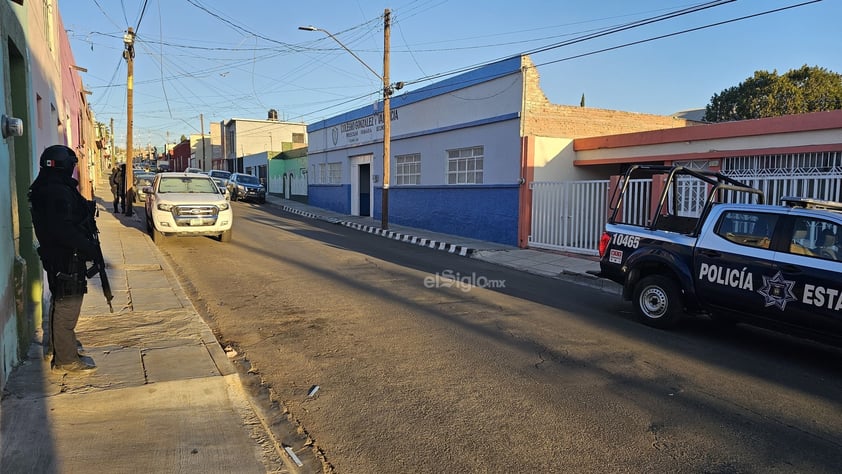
(186,185)
(248,179)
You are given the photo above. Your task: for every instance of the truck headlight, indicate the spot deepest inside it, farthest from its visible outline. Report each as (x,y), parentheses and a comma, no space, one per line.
(223,206)
(163,206)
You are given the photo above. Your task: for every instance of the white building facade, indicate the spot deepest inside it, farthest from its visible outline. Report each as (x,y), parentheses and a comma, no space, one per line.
(245,137)
(462,152)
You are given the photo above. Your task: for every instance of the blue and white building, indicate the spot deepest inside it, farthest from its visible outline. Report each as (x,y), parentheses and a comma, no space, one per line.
(462,152)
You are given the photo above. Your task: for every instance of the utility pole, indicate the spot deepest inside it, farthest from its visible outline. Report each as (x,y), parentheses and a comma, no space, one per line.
(387,112)
(202,125)
(128,178)
(387,122)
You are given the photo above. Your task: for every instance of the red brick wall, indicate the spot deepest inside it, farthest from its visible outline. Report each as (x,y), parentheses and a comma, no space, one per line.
(180,159)
(542,118)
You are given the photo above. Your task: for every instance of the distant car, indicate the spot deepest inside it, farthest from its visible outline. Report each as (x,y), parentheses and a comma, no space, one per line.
(222,185)
(222,174)
(243,186)
(141,180)
(187,204)
(194,170)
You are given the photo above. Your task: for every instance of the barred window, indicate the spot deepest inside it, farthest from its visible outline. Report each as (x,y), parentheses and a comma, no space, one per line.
(322,173)
(464,165)
(334,173)
(297,138)
(788,164)
(408,169)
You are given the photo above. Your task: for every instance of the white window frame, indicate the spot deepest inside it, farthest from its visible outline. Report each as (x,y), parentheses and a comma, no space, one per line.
(465,165)
(322,173)
(334,173)
(408,169)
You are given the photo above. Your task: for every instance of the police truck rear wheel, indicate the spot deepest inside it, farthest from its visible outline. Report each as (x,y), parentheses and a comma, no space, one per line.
(657,301)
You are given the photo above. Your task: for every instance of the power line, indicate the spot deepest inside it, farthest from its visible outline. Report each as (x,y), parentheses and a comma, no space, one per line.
(600,33)
(139,18)
(239,28)
(689,30)
(559,45)
(356,35)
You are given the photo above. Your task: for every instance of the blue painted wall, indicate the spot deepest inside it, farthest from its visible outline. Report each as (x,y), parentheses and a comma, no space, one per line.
(335,197)
(429,122)
(484,212)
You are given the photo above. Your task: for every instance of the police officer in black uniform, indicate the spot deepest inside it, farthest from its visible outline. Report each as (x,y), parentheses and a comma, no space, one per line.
(58,214)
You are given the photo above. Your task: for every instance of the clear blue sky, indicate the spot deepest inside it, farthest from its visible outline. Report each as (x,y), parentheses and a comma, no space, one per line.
(238,59)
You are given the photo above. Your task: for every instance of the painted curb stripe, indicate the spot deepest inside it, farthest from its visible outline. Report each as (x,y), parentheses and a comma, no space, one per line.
(411,239)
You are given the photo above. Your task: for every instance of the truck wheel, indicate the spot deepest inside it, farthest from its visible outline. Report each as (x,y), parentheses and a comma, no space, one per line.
(657,301)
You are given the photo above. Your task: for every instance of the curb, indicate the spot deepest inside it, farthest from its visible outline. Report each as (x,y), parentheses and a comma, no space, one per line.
(411,239)
(584,279)
(430,243)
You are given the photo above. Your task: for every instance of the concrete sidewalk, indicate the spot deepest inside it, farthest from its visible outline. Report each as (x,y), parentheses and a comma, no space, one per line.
(166,397)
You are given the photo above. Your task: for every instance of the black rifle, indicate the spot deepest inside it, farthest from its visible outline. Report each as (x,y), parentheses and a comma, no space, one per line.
(99,261)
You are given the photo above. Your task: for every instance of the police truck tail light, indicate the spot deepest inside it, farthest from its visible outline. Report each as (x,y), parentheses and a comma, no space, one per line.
(603,243)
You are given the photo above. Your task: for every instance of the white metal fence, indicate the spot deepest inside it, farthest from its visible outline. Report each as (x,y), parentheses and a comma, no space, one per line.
(827,187)
(570,215)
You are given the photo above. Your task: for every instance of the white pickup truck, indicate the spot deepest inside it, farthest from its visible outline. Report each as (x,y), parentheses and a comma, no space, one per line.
(187,204)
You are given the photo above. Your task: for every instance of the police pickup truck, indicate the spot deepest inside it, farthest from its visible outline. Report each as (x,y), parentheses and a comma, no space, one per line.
(710,245)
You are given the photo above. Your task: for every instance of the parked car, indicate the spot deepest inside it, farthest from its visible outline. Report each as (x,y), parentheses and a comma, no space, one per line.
(222,185)
(141,180)
(243,186)
(222,174)
(194,170)
(187,204)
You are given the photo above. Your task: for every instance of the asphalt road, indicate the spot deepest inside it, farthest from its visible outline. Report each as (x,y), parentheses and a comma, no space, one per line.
(529,374)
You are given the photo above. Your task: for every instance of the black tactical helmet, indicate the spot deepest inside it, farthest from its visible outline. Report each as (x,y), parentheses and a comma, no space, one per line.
(58,157)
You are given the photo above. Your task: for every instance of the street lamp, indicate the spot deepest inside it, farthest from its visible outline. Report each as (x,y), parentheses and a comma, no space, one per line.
(387,113)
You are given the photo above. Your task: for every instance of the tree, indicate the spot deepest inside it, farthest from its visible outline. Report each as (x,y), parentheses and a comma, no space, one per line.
(766,94)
